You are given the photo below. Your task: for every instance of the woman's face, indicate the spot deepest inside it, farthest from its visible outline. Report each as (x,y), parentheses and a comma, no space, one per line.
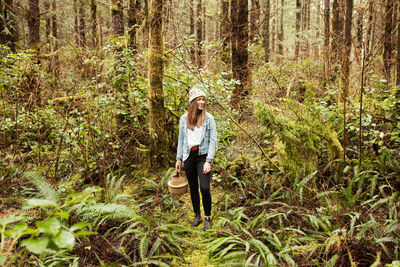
(201,102)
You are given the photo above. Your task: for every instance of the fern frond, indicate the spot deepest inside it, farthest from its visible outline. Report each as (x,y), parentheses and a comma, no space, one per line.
(109,210)
(143,247)
(42,185)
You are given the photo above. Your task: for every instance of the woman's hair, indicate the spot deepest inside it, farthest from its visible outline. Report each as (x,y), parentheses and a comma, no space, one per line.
(195,116)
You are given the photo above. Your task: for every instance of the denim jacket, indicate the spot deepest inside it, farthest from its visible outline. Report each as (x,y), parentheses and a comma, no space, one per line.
(208,142)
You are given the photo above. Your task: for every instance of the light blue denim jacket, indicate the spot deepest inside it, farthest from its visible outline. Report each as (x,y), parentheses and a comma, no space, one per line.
(208,143)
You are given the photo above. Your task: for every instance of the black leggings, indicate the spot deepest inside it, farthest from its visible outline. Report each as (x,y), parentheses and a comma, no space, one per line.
(194,168)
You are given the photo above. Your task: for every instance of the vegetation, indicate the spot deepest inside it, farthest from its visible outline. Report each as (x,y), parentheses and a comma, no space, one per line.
(308,163)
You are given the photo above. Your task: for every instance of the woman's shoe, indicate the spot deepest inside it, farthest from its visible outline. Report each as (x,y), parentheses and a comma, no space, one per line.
(197,220)
(207,223)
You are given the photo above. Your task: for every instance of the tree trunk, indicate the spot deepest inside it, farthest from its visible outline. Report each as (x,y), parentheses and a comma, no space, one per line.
(337,35)
(76,23)
(93,12)
(360,31)
(48,21)
(254,18)
(274,26)
(347,48)
(117,17)
(34,24)
(298,21)
(266,30)
(54,25)
(158,137)
(387,40)
(8,24)
(369,27)
(146,23)
(280,35)
(224,29)
(134,21)
(199,33)
(82,24)
(326,38)
(240,66)
(192,32)
(398,54)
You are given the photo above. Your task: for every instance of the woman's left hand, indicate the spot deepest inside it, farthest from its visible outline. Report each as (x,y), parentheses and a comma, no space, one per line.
(207,167)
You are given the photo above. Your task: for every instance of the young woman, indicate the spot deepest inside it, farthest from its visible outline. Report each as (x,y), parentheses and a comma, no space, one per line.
(196,148)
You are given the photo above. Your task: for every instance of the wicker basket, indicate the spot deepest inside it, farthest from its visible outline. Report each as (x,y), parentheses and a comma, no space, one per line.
(178,184)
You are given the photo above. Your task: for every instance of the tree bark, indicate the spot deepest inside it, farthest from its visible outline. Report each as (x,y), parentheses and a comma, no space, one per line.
(240,66)
(93,13)
(199,33)
(266,30)
(387,40)
(298,21)
(158,137)
(347,47)
(82,24)
(281,35)
(224,29)
(326,38)
(34,24)
(398,54)
(117,17)
(337,35)
(76,23)
(54,25)
(48,20)
(134,20)
(192,31)
(369,27)
(8,24)
(254,18)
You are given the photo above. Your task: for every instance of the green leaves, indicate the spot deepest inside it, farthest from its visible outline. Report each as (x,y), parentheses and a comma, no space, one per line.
(64,239)
(51,226)
(36,246)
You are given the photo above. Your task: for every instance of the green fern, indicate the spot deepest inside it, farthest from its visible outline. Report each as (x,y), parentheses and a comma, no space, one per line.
(42,185)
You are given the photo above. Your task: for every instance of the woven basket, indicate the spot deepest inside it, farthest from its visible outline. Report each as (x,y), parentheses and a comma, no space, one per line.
(178,184)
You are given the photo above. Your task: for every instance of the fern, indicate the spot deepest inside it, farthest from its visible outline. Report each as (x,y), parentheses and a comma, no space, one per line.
(108,210)
(143,247)
(42,185)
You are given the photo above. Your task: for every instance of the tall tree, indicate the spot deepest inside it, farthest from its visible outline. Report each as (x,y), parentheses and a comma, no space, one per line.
(82,24)
(224,29)
(280,34)
(199,33)
(398,53)
(298,21)
(368,37)
(254,18)
(8,24)
(48,20)
(76,23)
(326,38)
(387,40)
(192,31)
(240,39)
(117,17)
(337,34)
(54,25)
(34,24)
(158,137)
(266,30)
(93,13)
(134,20)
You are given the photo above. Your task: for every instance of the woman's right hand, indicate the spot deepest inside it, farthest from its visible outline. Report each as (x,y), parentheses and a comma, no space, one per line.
(178,165)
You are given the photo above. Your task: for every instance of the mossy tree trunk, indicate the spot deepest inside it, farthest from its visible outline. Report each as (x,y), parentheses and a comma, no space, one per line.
(224,29)
(82,24)
(387,40)
(298,21)
(266,30)
(240,54)
(8,21)
(326,38)
(133,21)
(117,17)
(199,33)
(158,136)
(93,13)
(34,24)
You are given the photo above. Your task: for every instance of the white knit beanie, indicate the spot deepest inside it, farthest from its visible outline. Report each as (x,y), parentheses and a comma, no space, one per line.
(194,93)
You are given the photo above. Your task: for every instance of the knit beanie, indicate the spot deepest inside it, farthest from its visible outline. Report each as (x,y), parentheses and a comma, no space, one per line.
(194,93)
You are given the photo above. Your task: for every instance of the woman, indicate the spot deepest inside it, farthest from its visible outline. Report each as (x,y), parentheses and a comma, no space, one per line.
(196,148)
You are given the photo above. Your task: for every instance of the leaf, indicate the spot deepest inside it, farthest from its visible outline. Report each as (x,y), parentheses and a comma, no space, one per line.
(84,233)
(64,239)
(43,186)
(51,226)
(78,226)
(62,214)
(2,259)
(17,231)
(156,244)
(11,219)
(143,246)
(36,246)
(36,202)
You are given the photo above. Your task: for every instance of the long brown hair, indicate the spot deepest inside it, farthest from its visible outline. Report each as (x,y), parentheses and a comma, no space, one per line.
(195,116)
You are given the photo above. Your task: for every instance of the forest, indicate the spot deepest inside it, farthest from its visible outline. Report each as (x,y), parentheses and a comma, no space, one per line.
(306,100)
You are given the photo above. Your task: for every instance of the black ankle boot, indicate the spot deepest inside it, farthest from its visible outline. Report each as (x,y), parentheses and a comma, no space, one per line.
(197,220)
(207,223)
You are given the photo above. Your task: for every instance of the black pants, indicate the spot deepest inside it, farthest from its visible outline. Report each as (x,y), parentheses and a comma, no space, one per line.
(194,172)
